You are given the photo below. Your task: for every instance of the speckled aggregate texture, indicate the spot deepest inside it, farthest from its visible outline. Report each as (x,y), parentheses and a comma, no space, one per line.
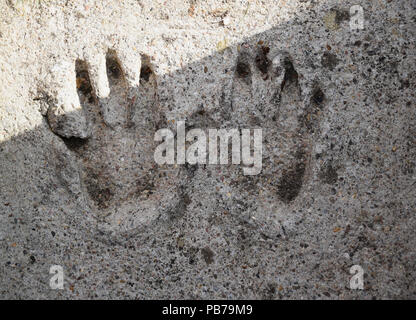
(86,84)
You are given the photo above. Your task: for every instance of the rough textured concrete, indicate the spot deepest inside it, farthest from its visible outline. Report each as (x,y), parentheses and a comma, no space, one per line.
(85,86)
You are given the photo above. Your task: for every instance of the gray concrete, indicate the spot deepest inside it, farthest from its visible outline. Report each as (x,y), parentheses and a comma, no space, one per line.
(85,86)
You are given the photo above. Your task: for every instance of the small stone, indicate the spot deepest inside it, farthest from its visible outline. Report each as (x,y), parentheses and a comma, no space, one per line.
(208,255)
(181,243)
(330,20)
(226,21)
(222,45)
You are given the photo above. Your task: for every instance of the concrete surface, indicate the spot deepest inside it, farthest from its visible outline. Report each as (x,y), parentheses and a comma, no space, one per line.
(85,86)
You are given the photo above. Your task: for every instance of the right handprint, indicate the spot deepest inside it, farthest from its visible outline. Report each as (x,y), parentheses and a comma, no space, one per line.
(267,94)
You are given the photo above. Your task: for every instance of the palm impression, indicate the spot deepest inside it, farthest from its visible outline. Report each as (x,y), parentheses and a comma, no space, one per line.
(106,111)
